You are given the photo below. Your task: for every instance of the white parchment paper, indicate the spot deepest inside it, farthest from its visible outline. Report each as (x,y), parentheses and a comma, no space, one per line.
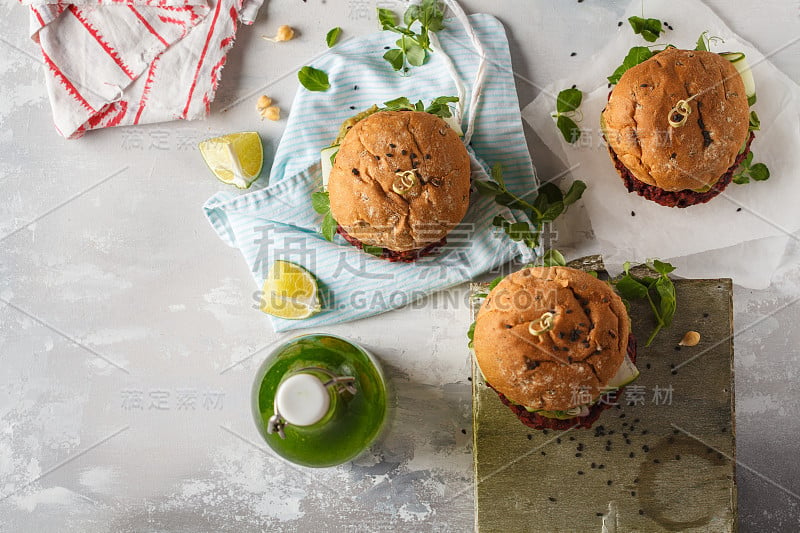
(740,234)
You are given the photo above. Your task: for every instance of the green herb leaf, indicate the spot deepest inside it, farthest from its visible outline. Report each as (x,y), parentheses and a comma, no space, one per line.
(553,257)
(411,14)
(568,128)
(568,100)
(395,57)
(631,289)
(333,36)
(574,193)
(759,172)
(415,54)
(552,212)
(377,251)
(471,335)
(649,29)
(320,201)
(659,292)
(440,107)
(387,18)
(702,45)
(328,228)
(751,100)
(497,174)
(313,79)
(431,15)
(398,104)
(740,179)
(755,123)
(495,282)
(488,188)
(636,55)
(662,267)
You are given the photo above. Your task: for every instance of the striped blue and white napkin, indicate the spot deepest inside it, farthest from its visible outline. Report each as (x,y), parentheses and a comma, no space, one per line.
(278,222)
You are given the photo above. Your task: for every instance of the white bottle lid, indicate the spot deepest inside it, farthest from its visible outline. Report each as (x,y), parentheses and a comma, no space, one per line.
(302,400)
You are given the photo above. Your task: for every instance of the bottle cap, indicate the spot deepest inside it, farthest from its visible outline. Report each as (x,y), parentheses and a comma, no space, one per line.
(302,399)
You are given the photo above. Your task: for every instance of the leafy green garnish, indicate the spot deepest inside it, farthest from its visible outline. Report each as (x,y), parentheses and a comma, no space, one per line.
(636,55)
(412,47)
(377,251)
(747,171)
(553,257)
(704,41)
(649,29)
(755,123)
(313,79)
(438,106)
(549,203)
(567,104)
(471,335)
(322,205)
(333,36)
(659,292)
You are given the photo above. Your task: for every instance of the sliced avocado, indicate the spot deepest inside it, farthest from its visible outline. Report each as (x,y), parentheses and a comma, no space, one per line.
(743,68)
(352,121)
(704,189)
(326,157)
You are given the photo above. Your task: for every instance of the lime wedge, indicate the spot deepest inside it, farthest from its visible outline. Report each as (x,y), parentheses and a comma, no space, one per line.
(290,291)
(235,159)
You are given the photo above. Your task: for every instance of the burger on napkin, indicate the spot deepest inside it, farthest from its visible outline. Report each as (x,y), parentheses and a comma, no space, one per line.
(398,179)
(554,342)
(678,125)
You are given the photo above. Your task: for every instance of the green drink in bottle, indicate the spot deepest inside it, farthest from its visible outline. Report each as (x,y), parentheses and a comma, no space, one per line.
(319,400)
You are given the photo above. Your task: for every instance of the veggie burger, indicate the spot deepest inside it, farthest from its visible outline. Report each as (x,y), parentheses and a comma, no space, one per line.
(677,125)
(398,183)
(554,343)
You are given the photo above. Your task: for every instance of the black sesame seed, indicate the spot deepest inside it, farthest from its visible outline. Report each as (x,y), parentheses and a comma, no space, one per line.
(509,326)
(355,172)
(572,438)
(404,152)
(656,461)
(719,456)
(377,158)
(464,431)
(469,378)
(644,432)
(594,465)
(641,512)
(599,514)
(392,145)
(705,315)
(619,23)
(631,455)
(413,155)
(427,156)
(580,447)
(633,213)
(579,454)
(723,430)
(636,420)
(580,472)
(608,448)
(545,431)
(568,311)
(543,453)
(609,482)
(573,54)
(388,47)
(677,349)
(352,107)
(648,366)
(355,87)
(645,448)
(673,155)
(674,372)
(574,86)
(551,499)
(558,440)
(677,457)
(633,493)
(389,155)
(627,441)
(636,480)
(530,436)
(601,466)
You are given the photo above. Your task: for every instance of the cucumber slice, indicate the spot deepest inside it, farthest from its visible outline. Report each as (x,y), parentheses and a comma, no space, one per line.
(326,157)
(743,68)
(627,373)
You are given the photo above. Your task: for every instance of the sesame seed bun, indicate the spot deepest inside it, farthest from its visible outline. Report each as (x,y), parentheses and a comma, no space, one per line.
(582,352)
(371,154)
(690,157)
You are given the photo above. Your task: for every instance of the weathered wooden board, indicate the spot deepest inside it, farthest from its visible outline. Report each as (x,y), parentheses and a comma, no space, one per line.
(663,460)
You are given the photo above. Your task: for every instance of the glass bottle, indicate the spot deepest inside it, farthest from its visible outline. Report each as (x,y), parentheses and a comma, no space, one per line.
(319,400)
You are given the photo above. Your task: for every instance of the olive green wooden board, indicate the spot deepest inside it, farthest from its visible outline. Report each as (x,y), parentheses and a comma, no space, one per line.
(680,476)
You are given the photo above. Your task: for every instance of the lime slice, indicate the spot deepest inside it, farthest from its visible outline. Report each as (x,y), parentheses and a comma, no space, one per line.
(290,291)
(235,159)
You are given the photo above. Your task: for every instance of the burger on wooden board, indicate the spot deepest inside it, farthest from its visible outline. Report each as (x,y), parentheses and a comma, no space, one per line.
(398,180)
(554,342)
(678,125)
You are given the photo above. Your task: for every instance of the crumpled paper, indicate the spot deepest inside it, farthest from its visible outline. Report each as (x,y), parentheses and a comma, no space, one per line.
(741,233)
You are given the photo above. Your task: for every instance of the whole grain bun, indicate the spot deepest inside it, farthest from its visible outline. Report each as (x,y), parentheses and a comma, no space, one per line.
(551,371)
(695,155)
(372,152)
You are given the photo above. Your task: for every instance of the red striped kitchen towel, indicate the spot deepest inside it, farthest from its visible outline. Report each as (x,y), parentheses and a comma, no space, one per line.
(124,62)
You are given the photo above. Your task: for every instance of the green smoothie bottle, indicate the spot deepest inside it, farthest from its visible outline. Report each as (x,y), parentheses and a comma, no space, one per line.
(319,400)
